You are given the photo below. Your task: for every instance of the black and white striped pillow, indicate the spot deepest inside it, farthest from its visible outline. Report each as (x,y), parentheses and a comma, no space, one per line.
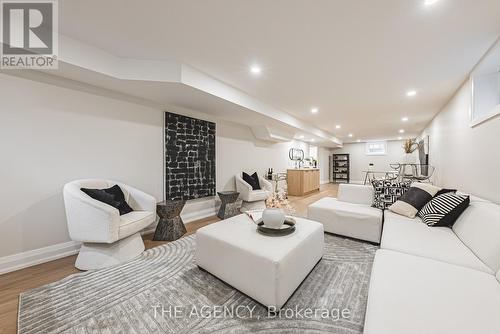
(444,210)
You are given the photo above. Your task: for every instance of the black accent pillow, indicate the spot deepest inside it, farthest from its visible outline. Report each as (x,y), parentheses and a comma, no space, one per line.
(444,209)
(252,180)
(116,191)
(112,196)
(387,192)
(411,202)
(444,191)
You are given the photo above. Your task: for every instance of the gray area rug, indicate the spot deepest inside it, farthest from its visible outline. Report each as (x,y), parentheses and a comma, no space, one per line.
(163,291)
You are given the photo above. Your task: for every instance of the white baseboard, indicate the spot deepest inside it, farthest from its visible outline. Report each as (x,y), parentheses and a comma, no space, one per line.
(41,255)
(324,182)
(36,256)
(199,214)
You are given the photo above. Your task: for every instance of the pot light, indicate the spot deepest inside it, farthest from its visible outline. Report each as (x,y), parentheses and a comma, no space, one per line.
(400,138)
(312,140)
(337,126)
(359,140)
(430,2)
(402,131)
(301,137)
(314,110)
(350,135)
(404,119)
(411,93)
(255,69)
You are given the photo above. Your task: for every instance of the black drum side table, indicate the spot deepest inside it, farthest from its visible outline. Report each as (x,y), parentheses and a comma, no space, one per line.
(170,226)
(228,206)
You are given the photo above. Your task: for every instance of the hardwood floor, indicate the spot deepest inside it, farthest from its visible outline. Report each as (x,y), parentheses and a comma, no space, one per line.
(12,284)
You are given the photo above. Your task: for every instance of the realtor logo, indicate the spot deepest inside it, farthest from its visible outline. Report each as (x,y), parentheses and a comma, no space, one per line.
(29,34)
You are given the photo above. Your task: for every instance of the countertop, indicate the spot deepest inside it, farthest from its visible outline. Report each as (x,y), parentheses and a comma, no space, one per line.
(303,169)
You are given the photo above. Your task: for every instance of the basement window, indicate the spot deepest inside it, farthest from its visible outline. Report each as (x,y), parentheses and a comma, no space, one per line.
(376,148)
(485,97)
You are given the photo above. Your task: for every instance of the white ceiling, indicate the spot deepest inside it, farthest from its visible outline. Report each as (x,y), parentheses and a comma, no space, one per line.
(354,59)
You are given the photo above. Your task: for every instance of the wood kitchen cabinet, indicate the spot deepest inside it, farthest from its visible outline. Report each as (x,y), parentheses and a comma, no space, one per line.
(302,181)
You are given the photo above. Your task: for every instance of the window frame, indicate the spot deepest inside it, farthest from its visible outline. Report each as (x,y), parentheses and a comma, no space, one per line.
(369,152)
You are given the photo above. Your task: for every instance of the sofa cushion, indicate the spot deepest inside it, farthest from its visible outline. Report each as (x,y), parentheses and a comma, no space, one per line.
(414,199)
(444,209)
(355,193)
(445,191)
(479,227)
(349,219)
(386,192)
(414,295)
(413,237)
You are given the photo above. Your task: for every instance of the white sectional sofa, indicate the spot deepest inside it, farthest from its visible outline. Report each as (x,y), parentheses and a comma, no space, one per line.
(437,280)
(350,214)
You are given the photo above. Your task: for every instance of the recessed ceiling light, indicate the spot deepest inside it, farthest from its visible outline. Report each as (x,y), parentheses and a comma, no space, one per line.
(400,138)
(312,140)
(404,119)
(350,135)
(337,126)
(359,140)
(430,2)
(301,137)
(401,131)
(411,93)
(255,69)
(314,110)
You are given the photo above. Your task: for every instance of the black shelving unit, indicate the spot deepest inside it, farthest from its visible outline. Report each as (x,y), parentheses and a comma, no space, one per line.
(341,164)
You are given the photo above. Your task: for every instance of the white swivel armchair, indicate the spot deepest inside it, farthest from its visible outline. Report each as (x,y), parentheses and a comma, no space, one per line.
(107,237)
(253,199)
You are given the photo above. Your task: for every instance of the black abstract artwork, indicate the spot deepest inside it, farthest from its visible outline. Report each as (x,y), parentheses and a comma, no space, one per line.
(189,157)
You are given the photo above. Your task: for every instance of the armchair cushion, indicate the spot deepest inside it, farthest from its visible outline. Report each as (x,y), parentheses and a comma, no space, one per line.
(102,196)
(387,192)
(252,180)
(134,222)
(112,196)
(257,195)
(116,191)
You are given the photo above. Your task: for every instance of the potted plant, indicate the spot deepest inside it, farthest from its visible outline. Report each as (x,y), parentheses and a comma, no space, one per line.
(410,146)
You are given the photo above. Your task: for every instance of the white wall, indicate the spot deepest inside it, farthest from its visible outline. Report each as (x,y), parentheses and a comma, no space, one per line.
(465,158)
(50,135)
(360,161)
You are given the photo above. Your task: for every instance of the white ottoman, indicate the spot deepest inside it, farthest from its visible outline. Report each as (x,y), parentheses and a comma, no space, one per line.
(268,269)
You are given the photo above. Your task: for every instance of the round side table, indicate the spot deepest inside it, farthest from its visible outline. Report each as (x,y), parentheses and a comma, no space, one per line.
(170,226)
(228,206)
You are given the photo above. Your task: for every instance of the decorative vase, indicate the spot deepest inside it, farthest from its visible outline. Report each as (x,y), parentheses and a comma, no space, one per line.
(273,217)
(409,158)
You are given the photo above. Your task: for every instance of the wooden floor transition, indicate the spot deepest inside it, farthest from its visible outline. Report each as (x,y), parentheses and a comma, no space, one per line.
(12,284)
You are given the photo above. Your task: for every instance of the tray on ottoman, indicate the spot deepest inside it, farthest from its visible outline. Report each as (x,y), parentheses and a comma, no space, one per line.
(268,269)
